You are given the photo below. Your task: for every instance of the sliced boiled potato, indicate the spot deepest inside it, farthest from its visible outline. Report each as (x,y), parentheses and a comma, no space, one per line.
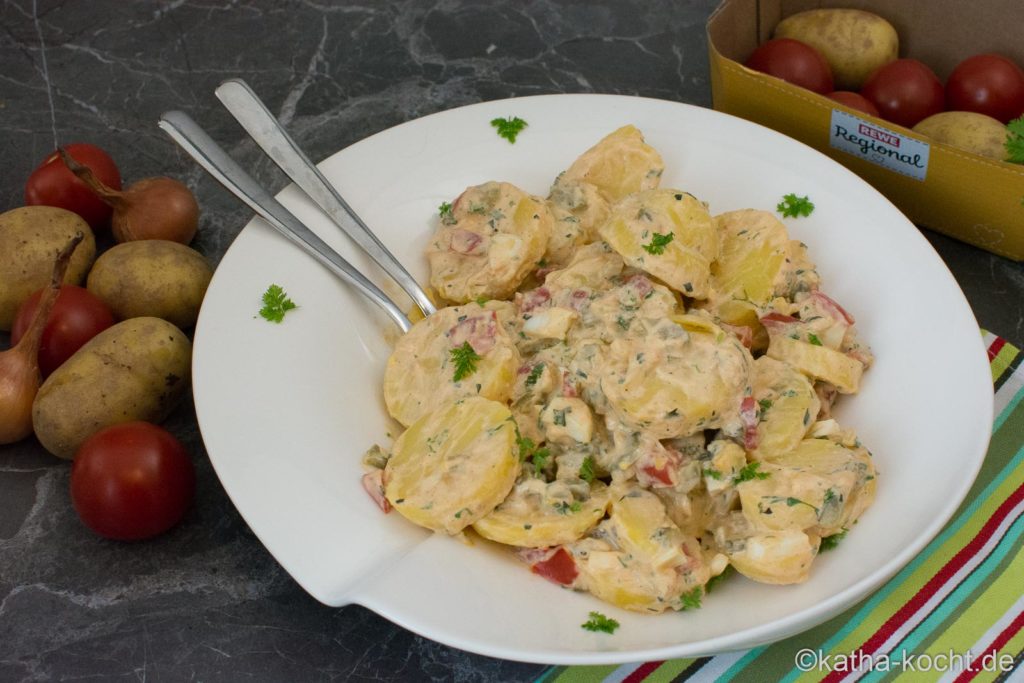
(676,382)
(787,404)
(420,374)
(496,235)
(778,557)
(578,208)
(753,256)
(537,515)
(591,267)
(453,466)
(619,165)
(787,499)
(667,233)
(850,476)
(642,528)
(624,581)
(818,362)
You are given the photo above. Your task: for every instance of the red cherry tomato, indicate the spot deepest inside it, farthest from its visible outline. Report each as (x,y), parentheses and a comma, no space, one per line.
(987,84)
(77,317)
(905,91)
(854,101)
(794,62)
(132,481)
(52,184)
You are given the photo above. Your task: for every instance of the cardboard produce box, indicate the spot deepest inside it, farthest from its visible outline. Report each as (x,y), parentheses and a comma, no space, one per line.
(973,198)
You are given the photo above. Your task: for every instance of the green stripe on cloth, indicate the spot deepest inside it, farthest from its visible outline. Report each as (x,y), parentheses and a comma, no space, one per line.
(667,672)
(983,614)
(577,674)
(972,622)
(965,614)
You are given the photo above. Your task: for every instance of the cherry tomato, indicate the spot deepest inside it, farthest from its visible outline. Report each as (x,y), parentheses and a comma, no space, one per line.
(905,91)
(794,62)
(132,481)
(987,84)
(854,101)
(77,317)
(52,184)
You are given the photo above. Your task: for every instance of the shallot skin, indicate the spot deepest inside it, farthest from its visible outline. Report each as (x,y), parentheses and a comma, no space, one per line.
(155,208)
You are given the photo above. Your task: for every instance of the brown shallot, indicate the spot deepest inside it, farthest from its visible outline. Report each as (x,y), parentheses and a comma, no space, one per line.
(20,377)
(158,208)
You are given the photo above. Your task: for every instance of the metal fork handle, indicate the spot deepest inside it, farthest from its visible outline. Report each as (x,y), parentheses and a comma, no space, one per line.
(208,154)
(247,108)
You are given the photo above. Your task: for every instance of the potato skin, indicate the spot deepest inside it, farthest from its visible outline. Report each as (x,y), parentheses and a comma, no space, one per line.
(853,42)
(136,370)
(968,131)
(155,278)
(30,238)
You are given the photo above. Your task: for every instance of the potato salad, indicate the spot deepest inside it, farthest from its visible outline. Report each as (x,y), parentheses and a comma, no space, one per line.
(631,393)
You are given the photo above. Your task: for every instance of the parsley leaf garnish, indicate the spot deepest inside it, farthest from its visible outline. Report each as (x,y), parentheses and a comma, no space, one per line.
(658,243)
(445,209)
(765,404)
(509,128)
(275,304)
(587,473)
(792,206)
(564,507)
(535,374)
(813,339)
(714,474)
(830,542)
(691,599)
(751,471)
(715,580)
(1015,141)
(599,622)
(528,449)
(464,358)
(540,460)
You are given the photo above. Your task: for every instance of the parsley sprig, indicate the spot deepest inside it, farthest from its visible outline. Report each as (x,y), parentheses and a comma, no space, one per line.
(830,542)
(1015,141)
(538,456)
(587,473)
(509,128)
(792,206)
(464,358)
(275,304)
(691,599)
(749,472)
(599,622)
(658,243)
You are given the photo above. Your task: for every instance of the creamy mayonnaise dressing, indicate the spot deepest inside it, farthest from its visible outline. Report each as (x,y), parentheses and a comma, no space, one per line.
(632,391)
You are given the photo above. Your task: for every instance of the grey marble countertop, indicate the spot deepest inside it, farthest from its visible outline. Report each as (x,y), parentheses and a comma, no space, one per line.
(206,601)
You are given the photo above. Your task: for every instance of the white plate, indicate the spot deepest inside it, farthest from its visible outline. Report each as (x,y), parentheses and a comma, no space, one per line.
(287,410)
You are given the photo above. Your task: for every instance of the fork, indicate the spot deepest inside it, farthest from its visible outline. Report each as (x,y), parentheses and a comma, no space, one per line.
(254,116)
(208,154)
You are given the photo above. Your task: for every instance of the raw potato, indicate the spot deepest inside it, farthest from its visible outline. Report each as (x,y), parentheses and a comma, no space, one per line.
(853,42)
(136,370)
(968,131)
(30,238)
(155,278)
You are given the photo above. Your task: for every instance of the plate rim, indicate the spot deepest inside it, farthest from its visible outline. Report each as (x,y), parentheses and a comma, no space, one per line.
(764,633)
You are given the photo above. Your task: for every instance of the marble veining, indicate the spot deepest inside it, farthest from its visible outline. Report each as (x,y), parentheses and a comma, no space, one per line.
(206,601)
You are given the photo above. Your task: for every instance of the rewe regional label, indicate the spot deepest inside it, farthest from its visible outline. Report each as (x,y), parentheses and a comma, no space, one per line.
(879,145)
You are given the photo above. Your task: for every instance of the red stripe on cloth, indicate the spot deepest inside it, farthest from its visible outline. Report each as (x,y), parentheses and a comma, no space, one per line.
(913,605)
(995,348)
(642,672)
(997,645)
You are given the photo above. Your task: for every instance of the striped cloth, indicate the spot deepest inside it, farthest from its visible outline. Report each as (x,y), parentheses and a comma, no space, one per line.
(963,594)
